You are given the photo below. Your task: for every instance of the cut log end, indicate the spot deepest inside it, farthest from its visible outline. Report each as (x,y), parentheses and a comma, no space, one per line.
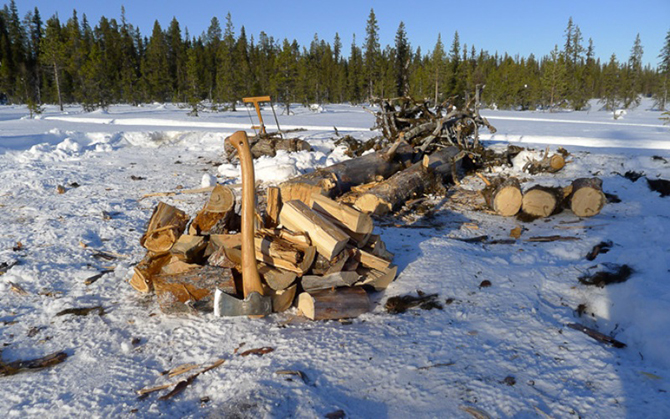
(507,202)
(341,303)
(541,201)
(587,202)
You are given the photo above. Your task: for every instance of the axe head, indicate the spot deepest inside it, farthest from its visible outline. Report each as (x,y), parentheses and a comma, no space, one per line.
(254,304)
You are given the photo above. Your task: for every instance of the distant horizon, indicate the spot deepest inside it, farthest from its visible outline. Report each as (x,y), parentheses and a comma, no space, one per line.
(517,28)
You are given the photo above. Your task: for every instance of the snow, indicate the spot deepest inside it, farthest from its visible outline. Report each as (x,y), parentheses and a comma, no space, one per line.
(420,363)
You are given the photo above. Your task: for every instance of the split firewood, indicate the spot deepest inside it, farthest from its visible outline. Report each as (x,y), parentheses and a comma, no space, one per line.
(177,266)
(503,196)
(273,207)
(219,208)
(223,259)
(586,197)
(322,266)
(392,193)
(146,269)
(377,247)
(542,201)
(225,240)
(328,238)
(283,299)
(276,248)
(276,279)
(311,283)
(371,261)
(335,180)
(166,225)
(547,163)
(343,215)
(189,248)
(339,303)
(193,289)
(299,240)
(378,280)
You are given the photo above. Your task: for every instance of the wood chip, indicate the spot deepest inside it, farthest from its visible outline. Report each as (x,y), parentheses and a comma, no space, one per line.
(81,311)
(258,351)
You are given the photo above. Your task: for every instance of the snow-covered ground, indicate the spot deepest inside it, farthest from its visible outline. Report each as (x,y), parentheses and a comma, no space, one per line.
(502,350)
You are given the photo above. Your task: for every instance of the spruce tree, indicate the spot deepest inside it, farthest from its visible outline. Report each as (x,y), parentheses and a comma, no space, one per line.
(632,76)
(52,54)
(372,53)
(402,61)
(225,81)
(155,66)
(438,58)
(355,73)
(286,74)
(611,85)
(554,79)
(661,96)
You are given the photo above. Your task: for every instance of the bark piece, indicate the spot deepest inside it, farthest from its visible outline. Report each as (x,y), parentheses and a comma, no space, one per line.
(340,303)
(392,193)
(311,283)
(328,238)
(504,196)
(335,180)
(541,201)
(587,198)
(193,289)
(166,225)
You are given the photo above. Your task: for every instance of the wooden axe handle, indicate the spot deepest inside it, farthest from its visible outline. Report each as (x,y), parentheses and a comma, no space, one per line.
(251,280)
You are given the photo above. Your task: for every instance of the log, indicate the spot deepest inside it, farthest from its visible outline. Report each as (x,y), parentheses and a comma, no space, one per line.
(335,180)
(311,283)
(340,303)
(273,207)
(189,248)
(371,261)
(219,208)
(549,164)
(503,196)
(328,238)
(392,193)
(166,224)
(587,198)
(375,279)
(146,269)
(542,201)
(343,215)
(193,289)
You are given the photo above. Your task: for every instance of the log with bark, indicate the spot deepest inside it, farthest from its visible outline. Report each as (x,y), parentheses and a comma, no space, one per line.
(311,283)
(339,303)
(268,145)
(377,280)
(335,180)
(542,201)
(547,163)
(503,196)
(390,194)
(189,248)
(586,197)
(166,225)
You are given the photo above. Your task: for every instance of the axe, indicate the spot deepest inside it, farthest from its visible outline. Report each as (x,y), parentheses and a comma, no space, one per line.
(254,303)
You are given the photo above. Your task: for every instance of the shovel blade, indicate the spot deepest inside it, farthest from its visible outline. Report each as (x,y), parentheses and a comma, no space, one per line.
(254,304)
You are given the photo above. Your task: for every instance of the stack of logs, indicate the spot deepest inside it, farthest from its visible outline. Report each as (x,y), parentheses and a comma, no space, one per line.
(317,249)
(584,197)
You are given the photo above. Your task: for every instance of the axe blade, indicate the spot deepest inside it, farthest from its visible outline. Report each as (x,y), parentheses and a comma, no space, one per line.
(254,304)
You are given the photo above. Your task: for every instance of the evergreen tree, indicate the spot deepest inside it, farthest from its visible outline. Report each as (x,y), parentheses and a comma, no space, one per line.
(402,61)
(155,66)
(212,43)
(611,85)
(52,54)
(437,63)
(661,96)
(193,81)
(355,73)
(455,81)
(631,79)
(554,79)
(225,82)
(286,74)
(176,59)
(372,53)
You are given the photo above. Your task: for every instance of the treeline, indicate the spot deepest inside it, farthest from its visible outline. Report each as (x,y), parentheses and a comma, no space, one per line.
(70,61)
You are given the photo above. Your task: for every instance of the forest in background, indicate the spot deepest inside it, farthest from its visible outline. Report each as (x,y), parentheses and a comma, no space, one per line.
(63,62)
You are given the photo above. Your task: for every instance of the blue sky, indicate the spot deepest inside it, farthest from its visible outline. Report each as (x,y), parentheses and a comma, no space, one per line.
(516,26)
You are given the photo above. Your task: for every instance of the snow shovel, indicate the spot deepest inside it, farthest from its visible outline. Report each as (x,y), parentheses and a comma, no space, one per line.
(254,303)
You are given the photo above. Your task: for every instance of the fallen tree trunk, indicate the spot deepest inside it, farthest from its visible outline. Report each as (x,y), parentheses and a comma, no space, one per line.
(586,196)
(503,196)
(333,181)
(390,194)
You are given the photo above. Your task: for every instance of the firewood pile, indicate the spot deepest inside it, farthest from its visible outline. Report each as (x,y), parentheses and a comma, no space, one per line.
(318,254)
